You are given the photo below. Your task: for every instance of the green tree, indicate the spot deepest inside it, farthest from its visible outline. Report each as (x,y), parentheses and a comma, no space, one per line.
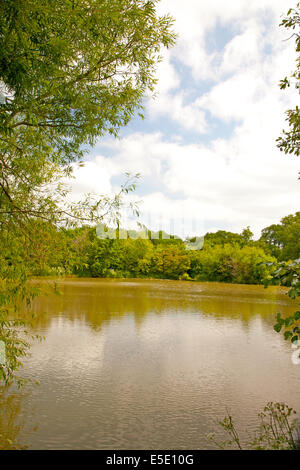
(286,237)
(70,72)
(170,261)
(222,237)
(230,263)
(289,141)
(137,256)
(283,240)
(247,234)
(288,274)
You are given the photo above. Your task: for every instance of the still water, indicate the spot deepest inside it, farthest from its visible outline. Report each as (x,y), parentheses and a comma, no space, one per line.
(145,364)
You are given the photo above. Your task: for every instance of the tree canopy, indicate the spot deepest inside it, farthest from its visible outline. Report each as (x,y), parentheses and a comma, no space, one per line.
(71,71)
(222,237)
(289,141)
(283,239)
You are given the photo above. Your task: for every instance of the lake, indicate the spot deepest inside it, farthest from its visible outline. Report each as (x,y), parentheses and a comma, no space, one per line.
(146,364)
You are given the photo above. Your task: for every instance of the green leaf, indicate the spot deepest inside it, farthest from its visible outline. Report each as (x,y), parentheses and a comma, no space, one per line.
(277,327)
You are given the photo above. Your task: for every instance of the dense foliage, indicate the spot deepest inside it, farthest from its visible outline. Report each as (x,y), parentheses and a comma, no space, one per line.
(81,252)
(283,240)
(70,72)
(230,263)
(289,141)
(222,237)
(288,274)
(225,257)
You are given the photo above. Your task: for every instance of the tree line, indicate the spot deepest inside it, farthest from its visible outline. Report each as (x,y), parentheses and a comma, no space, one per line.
(225,257)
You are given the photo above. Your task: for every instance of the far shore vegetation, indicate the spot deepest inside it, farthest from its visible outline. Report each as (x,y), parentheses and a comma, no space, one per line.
(225,256)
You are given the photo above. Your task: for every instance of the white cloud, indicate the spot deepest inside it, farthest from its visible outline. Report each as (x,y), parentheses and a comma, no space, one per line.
(168,78)
(238,71)
(196,19)
(243,50)
(93,177)
(188,116)
(234,182)
(227,182)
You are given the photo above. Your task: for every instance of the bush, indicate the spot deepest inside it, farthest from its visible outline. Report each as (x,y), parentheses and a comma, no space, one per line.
(170,261)
(230,263)
(278,430)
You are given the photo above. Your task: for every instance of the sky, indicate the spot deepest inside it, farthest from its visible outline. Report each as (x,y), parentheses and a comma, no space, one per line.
(206,150)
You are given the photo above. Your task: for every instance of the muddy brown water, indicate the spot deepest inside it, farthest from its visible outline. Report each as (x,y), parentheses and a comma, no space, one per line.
(145,364)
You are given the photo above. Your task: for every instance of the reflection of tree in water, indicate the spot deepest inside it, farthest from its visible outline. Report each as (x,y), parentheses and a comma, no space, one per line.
(10,421)
(98,302)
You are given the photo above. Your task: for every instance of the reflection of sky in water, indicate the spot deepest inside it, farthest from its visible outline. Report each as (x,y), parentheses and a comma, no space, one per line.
(152,364)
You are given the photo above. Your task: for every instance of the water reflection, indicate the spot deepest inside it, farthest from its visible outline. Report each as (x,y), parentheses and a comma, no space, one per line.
(152,364)
(100,301)
(11,422)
